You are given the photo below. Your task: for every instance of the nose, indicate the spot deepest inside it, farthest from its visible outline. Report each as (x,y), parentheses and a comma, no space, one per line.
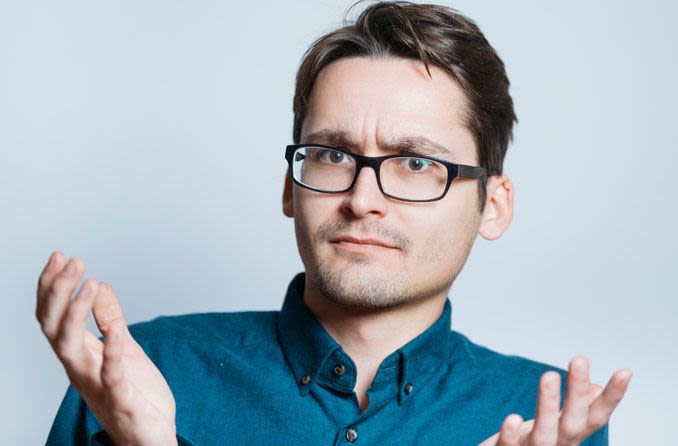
(365,197)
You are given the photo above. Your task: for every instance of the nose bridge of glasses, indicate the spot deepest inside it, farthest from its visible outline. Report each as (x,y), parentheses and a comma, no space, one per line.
(366,165)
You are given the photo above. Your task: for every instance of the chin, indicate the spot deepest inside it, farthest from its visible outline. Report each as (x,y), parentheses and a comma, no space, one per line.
(367,285)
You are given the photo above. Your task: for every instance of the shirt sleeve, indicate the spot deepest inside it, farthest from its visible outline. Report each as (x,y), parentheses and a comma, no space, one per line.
(70,426)
(76,425)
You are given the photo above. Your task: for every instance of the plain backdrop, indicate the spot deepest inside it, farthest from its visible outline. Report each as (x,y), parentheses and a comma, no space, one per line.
(147,138)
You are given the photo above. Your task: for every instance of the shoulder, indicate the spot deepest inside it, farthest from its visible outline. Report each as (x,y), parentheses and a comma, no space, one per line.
(228,329)
(508,381)
(513,380)
(495,364)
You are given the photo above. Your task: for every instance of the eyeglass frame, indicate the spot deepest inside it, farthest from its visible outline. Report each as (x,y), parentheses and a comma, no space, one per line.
(454,170)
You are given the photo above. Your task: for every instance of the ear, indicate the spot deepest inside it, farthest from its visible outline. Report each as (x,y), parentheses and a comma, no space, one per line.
(287,203)
(498,210)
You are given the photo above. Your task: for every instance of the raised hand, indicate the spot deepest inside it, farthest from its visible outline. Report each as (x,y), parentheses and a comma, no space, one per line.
(586,409)
(120,384)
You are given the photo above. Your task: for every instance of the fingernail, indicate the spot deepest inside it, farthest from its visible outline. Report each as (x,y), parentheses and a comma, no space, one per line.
(70,268)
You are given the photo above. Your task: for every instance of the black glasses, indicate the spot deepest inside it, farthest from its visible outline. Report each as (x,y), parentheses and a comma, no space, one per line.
(407,178)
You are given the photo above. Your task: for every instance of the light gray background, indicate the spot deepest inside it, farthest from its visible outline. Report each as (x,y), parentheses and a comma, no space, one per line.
(125,132)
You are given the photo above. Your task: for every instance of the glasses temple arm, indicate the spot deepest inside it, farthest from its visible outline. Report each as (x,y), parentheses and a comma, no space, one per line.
(471,171)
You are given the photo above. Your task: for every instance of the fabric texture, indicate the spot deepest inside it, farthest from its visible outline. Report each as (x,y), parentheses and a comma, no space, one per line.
(278,377)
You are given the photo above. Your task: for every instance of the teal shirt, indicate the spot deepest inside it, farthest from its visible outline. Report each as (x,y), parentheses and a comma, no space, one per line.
(278,377)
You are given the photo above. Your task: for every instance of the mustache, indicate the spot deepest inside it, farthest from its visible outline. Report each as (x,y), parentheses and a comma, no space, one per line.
(332,230)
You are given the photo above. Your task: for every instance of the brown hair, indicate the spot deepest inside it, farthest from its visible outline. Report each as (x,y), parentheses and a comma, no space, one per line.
(436,35)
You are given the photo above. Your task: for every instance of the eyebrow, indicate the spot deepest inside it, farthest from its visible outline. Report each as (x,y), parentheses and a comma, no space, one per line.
(405,144)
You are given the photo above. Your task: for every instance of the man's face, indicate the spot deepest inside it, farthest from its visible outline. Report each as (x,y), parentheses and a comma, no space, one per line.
(376,101)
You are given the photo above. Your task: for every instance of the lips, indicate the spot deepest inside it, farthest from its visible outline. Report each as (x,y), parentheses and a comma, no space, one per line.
(363,241)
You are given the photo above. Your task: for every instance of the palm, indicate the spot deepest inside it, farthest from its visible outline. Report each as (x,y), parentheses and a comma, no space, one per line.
(147,389)
(144,387)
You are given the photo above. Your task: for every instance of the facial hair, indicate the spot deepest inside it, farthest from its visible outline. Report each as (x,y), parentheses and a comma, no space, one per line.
(367,288)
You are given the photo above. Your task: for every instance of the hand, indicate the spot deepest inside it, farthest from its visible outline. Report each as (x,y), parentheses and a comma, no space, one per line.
(586,409)
(120,384)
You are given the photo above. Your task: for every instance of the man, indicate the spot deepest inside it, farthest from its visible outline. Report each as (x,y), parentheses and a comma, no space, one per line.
(401,124)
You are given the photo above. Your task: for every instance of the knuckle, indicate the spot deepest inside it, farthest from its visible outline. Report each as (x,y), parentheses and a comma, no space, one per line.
(48,330)
(112,322)
(60,285)
(51,295)
(43,282)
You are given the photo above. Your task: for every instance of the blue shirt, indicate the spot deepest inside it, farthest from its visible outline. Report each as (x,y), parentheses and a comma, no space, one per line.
(278,377)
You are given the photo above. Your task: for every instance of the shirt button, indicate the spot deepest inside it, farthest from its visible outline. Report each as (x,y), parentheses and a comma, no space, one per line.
(339,369)
(351,435)
(305,379)
(408,388)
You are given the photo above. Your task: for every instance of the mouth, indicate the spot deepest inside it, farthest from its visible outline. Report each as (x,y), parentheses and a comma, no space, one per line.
(362,244)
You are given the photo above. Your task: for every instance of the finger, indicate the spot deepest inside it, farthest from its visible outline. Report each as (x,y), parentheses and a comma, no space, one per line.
(54,265)
(545,430)
(112,370)
(602,407)
(594,391)
(70,343)
(510,433)
(576,407)
(107,310)
(59,297)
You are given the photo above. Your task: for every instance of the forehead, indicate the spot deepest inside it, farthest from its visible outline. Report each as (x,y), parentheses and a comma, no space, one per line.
(376,101)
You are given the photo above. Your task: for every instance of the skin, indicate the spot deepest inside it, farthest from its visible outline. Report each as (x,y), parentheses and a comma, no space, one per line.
(374,301)
(126,392)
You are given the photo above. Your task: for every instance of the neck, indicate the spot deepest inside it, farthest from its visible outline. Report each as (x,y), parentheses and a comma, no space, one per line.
(370,335)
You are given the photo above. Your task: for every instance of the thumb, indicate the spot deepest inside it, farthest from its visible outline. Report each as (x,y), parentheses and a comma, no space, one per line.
(107,311)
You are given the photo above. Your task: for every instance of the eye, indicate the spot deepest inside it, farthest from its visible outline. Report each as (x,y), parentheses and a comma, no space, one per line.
(332,156)
(417,164)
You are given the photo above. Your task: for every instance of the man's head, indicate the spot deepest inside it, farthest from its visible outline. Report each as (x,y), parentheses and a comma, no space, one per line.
(402,70)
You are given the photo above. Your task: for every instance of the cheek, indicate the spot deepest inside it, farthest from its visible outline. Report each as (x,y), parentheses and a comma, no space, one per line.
(442,235)
(437,239)
(310,212)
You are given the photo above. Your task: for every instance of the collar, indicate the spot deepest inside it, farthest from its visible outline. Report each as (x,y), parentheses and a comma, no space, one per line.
(316,358)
